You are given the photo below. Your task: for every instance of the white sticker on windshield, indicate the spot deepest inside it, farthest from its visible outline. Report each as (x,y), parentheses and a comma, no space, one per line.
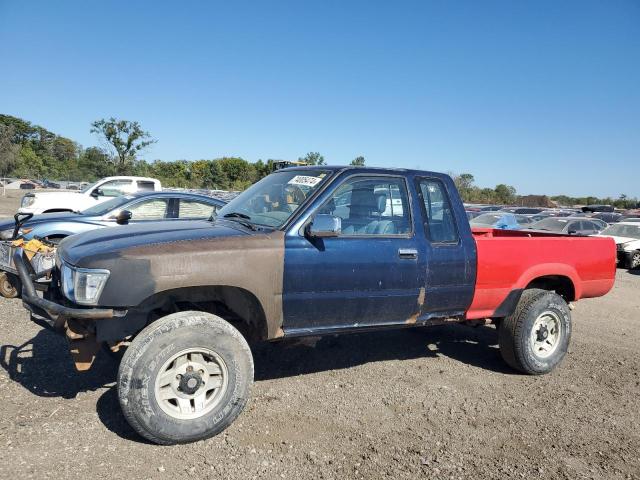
(304,180)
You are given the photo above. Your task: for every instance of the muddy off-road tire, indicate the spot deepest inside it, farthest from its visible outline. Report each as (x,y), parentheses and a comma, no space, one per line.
(535,338)
(10,286)
(185,377)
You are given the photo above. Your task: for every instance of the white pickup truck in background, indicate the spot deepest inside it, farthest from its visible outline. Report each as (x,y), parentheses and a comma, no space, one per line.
(100,191)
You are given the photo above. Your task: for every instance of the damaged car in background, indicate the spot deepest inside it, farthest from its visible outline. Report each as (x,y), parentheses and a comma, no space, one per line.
(38,235)
(304,252)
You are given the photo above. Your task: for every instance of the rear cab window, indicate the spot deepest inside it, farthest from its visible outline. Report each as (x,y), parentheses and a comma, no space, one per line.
(146,185)
(440,225)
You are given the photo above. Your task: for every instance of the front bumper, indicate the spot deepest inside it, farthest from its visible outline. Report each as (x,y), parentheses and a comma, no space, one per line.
(52,310)
(78,324)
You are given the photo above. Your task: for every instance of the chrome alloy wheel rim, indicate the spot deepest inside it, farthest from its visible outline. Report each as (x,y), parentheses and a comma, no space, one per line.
(191,383)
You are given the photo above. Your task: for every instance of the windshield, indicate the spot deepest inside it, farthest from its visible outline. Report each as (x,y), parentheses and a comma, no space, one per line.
(275,198)
(629,231)
(550,224)
(105,207)
(88,187)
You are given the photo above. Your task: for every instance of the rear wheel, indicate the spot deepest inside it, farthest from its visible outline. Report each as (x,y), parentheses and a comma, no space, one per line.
(10,286)
(535,338)
(634,261)
(185,377)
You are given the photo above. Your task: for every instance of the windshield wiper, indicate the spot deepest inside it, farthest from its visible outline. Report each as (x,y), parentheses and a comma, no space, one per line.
(241,217)
(237,215)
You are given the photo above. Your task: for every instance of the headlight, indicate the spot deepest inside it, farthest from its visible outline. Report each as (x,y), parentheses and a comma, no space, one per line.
(27,201)
(82,285)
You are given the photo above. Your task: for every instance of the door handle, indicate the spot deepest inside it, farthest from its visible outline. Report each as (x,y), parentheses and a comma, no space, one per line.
(410,253)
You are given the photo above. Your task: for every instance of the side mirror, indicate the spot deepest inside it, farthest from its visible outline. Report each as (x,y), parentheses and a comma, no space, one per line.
(123,217)
(325,226)
(573,232)
(96,193)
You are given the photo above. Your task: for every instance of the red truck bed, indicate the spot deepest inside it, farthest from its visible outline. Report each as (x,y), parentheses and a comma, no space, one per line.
(511,260)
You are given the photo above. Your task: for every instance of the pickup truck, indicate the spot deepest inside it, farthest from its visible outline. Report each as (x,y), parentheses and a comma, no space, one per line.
(306,251)
(90,195)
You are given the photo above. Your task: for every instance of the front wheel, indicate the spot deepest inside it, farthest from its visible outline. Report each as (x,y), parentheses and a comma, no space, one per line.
(634,260)
(535,338)
(185,377)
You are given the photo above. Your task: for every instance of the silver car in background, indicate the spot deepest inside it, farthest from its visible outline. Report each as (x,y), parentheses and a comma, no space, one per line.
(134,208)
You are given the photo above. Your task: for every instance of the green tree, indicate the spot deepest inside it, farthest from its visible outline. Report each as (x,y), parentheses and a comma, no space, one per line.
(8,149)
(171,174)
(29,164)
(358,161)
(505,194)
(94,163)
(239,172)
(313,158)
(466,189)
(126,138)
(219,175)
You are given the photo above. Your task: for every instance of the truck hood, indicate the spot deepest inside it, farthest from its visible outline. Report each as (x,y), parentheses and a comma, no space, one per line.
(43,218)
(85,249)
(56,196)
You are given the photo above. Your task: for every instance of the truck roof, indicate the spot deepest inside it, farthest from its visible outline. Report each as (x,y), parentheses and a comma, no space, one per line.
(335,168)
(130,177)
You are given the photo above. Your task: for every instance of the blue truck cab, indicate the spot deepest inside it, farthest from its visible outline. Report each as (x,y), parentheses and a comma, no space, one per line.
(402,236)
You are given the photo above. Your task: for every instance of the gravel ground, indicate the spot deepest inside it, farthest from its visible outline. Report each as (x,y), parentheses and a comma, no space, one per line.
(10,201)
(422,403)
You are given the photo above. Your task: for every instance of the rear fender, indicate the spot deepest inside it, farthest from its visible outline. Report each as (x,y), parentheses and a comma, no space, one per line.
(553,270)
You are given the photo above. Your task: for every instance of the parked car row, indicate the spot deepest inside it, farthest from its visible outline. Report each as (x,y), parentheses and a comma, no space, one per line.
(603,223)
(68,214)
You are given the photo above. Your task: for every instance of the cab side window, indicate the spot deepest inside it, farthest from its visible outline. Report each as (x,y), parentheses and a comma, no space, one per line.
(195,209)
(371,206)
(440,226)
(155,209)
(114,188)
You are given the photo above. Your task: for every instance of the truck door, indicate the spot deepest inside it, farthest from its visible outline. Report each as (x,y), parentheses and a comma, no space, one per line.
(369,274)
(449,259)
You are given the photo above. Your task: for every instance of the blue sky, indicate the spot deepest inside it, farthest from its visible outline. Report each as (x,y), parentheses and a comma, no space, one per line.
(543,95)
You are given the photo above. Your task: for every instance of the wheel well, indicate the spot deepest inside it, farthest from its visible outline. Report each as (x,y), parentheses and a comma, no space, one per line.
(238,306)
(562,285)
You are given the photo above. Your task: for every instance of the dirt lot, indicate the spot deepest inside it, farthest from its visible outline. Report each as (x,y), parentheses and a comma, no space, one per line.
(10,201)
(431,403)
